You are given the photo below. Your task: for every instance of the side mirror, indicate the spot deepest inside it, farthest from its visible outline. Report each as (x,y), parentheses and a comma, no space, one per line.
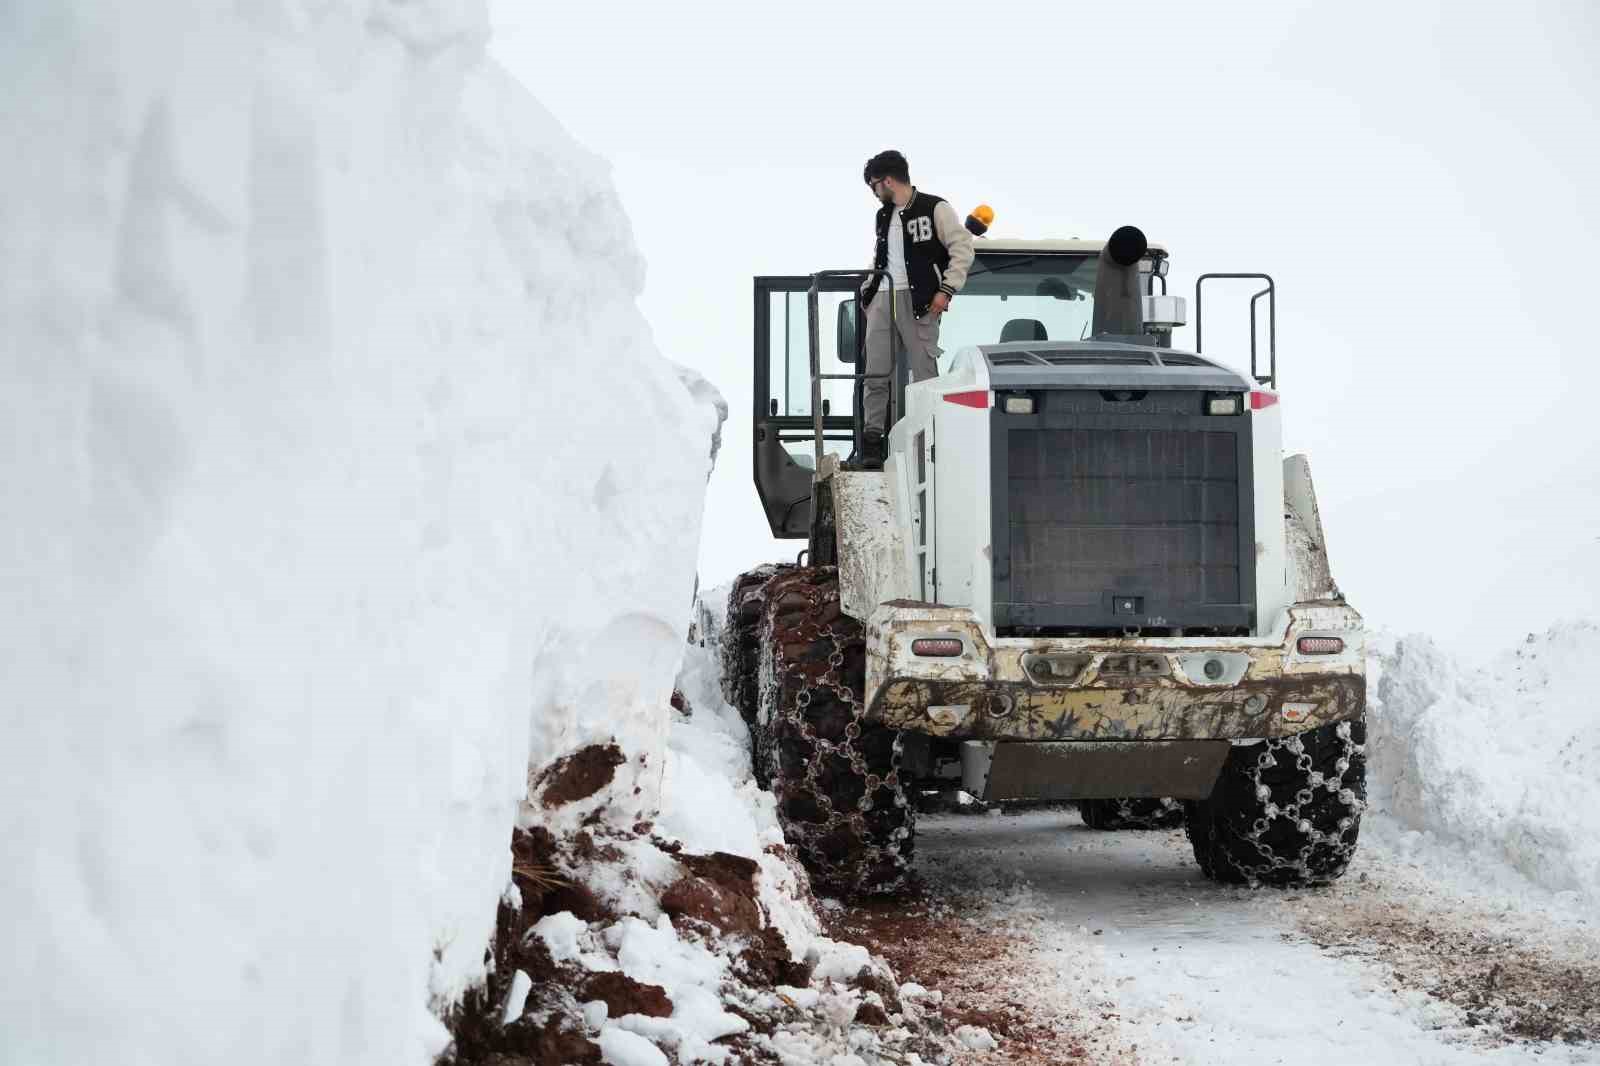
(846,341)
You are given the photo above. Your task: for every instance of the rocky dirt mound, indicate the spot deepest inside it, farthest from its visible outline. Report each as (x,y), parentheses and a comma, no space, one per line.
(705,978)
(689,937)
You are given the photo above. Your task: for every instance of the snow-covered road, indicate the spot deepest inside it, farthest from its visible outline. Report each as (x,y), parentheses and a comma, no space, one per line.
(1122,930)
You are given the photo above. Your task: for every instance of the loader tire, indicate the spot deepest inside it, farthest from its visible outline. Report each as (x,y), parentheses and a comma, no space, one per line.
(741,638)
(842,804)
(1286,811)
(1112,814)
(741,652)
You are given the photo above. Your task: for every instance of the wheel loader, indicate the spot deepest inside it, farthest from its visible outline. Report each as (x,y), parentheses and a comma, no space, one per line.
(1086,573)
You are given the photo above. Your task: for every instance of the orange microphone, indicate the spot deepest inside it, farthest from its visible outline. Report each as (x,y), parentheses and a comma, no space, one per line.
(979,221)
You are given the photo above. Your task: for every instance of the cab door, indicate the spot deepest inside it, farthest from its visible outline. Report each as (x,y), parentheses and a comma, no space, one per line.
(782,422)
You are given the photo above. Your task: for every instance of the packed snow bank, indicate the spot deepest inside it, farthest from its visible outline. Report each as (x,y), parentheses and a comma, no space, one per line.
(1502,759)
(342,479)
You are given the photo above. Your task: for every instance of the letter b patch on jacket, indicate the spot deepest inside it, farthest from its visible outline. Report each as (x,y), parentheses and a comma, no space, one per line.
(920,229)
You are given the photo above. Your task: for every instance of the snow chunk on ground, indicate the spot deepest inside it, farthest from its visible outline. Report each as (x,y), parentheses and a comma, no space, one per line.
(1499,759)
(692,976)
(841,961)
(517,998)
(560,933)
(656,955)
(622,1048)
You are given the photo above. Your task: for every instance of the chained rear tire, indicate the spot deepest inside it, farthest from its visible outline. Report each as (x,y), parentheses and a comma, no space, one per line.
(836,776)
(1115,814)
(740,651)
(1284,812)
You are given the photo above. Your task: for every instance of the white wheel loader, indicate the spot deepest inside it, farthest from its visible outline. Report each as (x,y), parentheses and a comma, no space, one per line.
(1085,573)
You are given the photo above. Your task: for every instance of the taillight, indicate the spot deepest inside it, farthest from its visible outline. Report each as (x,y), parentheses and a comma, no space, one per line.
(1320,645)
(1260,399)
(939,646)
(975,398)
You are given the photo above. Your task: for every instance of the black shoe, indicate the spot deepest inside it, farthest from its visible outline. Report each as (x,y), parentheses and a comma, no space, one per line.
(872,454)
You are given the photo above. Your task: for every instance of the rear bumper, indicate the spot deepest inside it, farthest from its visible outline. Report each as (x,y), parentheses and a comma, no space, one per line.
(1097,689)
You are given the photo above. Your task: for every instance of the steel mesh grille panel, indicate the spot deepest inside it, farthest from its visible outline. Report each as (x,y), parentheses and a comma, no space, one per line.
(1148,512)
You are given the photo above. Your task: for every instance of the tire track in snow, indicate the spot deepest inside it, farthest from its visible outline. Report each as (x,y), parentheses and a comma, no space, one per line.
(1122,929)
(980,975)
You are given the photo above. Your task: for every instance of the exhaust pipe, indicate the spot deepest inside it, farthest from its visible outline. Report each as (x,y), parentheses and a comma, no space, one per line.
(1118,299)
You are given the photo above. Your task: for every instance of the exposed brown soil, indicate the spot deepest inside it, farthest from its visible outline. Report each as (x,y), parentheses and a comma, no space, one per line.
(715,900)
(480,1039)
(533,865)
(699,899)
(552,1043)
(580,900)
(539,869)
(733,872)
(579,775)
(870,980)
(925,943)
(765,962)
(584,846)
(623,995)
(720,891)
(1504,985)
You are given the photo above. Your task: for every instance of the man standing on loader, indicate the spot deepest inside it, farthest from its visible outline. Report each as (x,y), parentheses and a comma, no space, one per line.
(927,252)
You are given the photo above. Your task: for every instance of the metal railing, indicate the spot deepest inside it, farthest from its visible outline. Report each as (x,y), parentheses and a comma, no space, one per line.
(861,377)
(1270,379)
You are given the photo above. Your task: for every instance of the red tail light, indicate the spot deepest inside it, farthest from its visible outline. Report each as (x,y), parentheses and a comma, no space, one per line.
(1320,645)
(940,646)
(1261,398)
(976,398)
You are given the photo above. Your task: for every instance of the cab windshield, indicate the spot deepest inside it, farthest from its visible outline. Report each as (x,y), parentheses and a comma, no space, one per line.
(1021,296)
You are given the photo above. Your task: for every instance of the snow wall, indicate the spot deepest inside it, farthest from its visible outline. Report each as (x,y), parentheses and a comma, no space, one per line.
(1498,761)
(342,479)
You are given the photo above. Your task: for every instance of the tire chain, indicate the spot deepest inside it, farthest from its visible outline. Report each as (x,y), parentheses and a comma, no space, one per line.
(1273,816)
(842,803)
(741,638)
(1134,813)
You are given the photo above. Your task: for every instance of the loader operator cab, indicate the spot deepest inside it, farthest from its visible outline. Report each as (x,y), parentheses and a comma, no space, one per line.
(1023,294)
(1017,291)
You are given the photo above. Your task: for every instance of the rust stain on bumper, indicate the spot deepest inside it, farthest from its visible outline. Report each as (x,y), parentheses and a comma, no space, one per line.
(1129,689)
(1135,711)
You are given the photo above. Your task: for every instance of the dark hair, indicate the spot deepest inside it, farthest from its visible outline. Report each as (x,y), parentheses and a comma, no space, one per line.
(889,164)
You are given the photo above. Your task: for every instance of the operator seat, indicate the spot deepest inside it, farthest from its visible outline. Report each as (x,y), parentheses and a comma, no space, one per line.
(1023,329)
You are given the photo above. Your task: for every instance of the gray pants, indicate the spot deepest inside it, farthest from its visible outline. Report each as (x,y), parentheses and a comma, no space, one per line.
(919,338)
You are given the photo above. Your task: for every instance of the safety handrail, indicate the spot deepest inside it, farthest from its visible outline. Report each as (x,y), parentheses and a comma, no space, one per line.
(818,377)
(1271,293)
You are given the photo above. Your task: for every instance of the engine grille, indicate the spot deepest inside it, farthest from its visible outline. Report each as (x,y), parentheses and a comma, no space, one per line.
(1100,517)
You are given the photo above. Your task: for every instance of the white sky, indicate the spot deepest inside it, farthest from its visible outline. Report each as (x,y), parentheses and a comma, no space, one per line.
(1422,179)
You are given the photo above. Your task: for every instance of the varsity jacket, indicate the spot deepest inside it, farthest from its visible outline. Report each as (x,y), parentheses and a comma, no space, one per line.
(938,250)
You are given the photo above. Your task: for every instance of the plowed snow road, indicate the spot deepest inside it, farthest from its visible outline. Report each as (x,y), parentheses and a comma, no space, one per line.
(1115,940)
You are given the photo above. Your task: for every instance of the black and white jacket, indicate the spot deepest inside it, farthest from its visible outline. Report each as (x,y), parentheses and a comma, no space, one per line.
(938,249)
